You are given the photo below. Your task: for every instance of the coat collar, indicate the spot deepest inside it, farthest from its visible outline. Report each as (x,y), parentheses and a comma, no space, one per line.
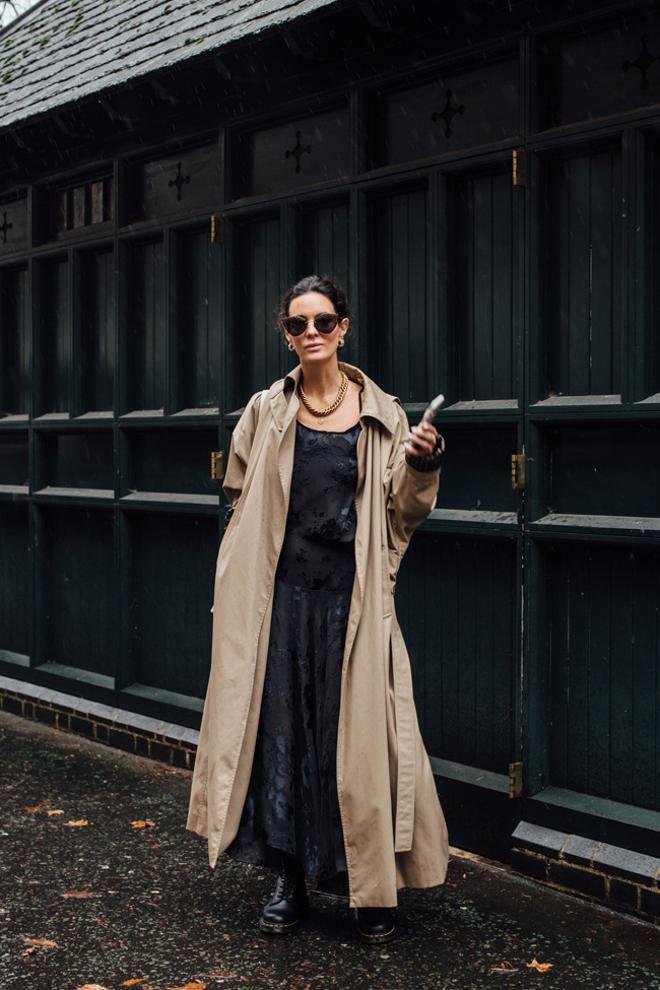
(376,403)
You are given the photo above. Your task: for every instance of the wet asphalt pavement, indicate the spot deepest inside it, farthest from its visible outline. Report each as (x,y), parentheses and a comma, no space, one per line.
(121,903)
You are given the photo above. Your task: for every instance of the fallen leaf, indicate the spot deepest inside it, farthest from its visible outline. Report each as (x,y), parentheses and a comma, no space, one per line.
(542,967)
(142,824)
(91,986)
(45,942)
(133,982)
(38,807)
(81,821)
(503,967)
(194,985)
(55,811)
(80,894)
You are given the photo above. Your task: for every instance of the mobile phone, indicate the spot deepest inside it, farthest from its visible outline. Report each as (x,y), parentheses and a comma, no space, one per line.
(429,413)
(432,408)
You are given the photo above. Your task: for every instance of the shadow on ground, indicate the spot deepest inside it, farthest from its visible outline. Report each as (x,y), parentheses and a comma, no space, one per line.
(123,903)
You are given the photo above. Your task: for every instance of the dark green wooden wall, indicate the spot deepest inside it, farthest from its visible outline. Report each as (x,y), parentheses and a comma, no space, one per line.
(529,297)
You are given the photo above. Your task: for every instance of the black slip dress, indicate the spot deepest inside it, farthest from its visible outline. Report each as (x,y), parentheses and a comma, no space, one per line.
(292,803)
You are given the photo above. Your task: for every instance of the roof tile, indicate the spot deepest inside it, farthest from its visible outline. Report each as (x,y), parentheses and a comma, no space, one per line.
(63,50)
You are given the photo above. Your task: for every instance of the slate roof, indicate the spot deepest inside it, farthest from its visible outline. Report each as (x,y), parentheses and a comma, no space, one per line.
(62,50)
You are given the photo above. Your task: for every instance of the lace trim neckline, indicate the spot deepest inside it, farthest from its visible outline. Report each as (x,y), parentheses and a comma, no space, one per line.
(312,430)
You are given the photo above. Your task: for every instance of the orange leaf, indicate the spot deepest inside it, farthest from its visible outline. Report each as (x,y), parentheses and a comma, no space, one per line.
(134,981)
(195,985)
(542,967)
(45,942)
(142,824)
(38,807)
(91,986)
(79,893)
(55,811)
(81,821)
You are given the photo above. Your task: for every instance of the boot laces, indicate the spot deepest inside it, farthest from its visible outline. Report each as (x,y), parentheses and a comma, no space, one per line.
(288,879)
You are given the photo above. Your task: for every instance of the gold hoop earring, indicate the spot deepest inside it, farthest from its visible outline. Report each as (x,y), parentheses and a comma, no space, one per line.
(290,345)
(341,342)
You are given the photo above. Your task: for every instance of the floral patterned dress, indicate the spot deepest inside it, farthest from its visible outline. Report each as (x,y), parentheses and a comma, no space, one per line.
(292,804)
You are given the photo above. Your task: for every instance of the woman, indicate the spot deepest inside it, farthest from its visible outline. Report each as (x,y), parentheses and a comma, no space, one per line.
(310,758)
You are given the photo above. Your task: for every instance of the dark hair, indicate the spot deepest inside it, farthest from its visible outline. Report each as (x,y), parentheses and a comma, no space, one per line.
(316,283)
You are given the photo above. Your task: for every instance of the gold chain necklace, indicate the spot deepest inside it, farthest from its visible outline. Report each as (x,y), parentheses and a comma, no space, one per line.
(333,405)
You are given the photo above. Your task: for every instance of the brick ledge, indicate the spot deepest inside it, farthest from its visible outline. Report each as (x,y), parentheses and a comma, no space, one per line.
(618,877)
(128,731)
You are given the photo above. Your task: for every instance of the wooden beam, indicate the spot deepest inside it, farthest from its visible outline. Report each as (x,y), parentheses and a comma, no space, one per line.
(114,115)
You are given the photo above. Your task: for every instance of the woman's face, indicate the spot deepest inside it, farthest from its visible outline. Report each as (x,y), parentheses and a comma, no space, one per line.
(311,345)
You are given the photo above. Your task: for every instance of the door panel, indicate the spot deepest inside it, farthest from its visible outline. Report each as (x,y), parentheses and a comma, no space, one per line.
(322,242)
(584,244)
(53,323)
(604,658)
(144,324)
(399,308)
(15,584)
(258,353)
(95,331)
(170,632)
(196,369)
(77,591)
(456,597)
(481,285)
(14,351)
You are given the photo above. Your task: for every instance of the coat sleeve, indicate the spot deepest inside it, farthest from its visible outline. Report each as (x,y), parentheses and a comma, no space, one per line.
(239,449)
(410,494)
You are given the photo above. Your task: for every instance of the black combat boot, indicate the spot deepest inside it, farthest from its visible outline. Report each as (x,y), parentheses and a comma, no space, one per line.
(289,901)
(375,924)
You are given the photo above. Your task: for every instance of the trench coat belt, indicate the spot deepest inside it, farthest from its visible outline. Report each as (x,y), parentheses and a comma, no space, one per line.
(405,735)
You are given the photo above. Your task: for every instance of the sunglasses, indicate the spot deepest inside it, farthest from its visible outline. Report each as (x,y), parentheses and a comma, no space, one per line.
(324,323)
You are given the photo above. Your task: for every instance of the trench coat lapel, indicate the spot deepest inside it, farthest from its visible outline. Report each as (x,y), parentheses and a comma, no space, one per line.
(284,401)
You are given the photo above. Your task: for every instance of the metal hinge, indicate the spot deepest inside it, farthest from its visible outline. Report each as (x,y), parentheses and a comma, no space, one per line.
(518,472)
(515,780)
(216,464)
(216,228)
(519,167)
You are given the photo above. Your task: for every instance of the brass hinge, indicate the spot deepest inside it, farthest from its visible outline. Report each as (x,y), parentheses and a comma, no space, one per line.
(515,780)
(519,167)
(216,464)
(216,228)
(518,472)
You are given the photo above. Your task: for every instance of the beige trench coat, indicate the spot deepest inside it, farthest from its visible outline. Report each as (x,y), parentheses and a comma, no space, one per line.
(395,833)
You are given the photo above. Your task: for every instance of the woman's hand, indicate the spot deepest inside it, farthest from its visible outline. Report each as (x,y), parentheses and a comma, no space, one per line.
(421,440)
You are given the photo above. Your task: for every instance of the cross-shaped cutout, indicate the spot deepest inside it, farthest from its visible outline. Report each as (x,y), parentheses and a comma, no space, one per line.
(298,151)
(643,62)
(448,112)
(178,182)
(4,227)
